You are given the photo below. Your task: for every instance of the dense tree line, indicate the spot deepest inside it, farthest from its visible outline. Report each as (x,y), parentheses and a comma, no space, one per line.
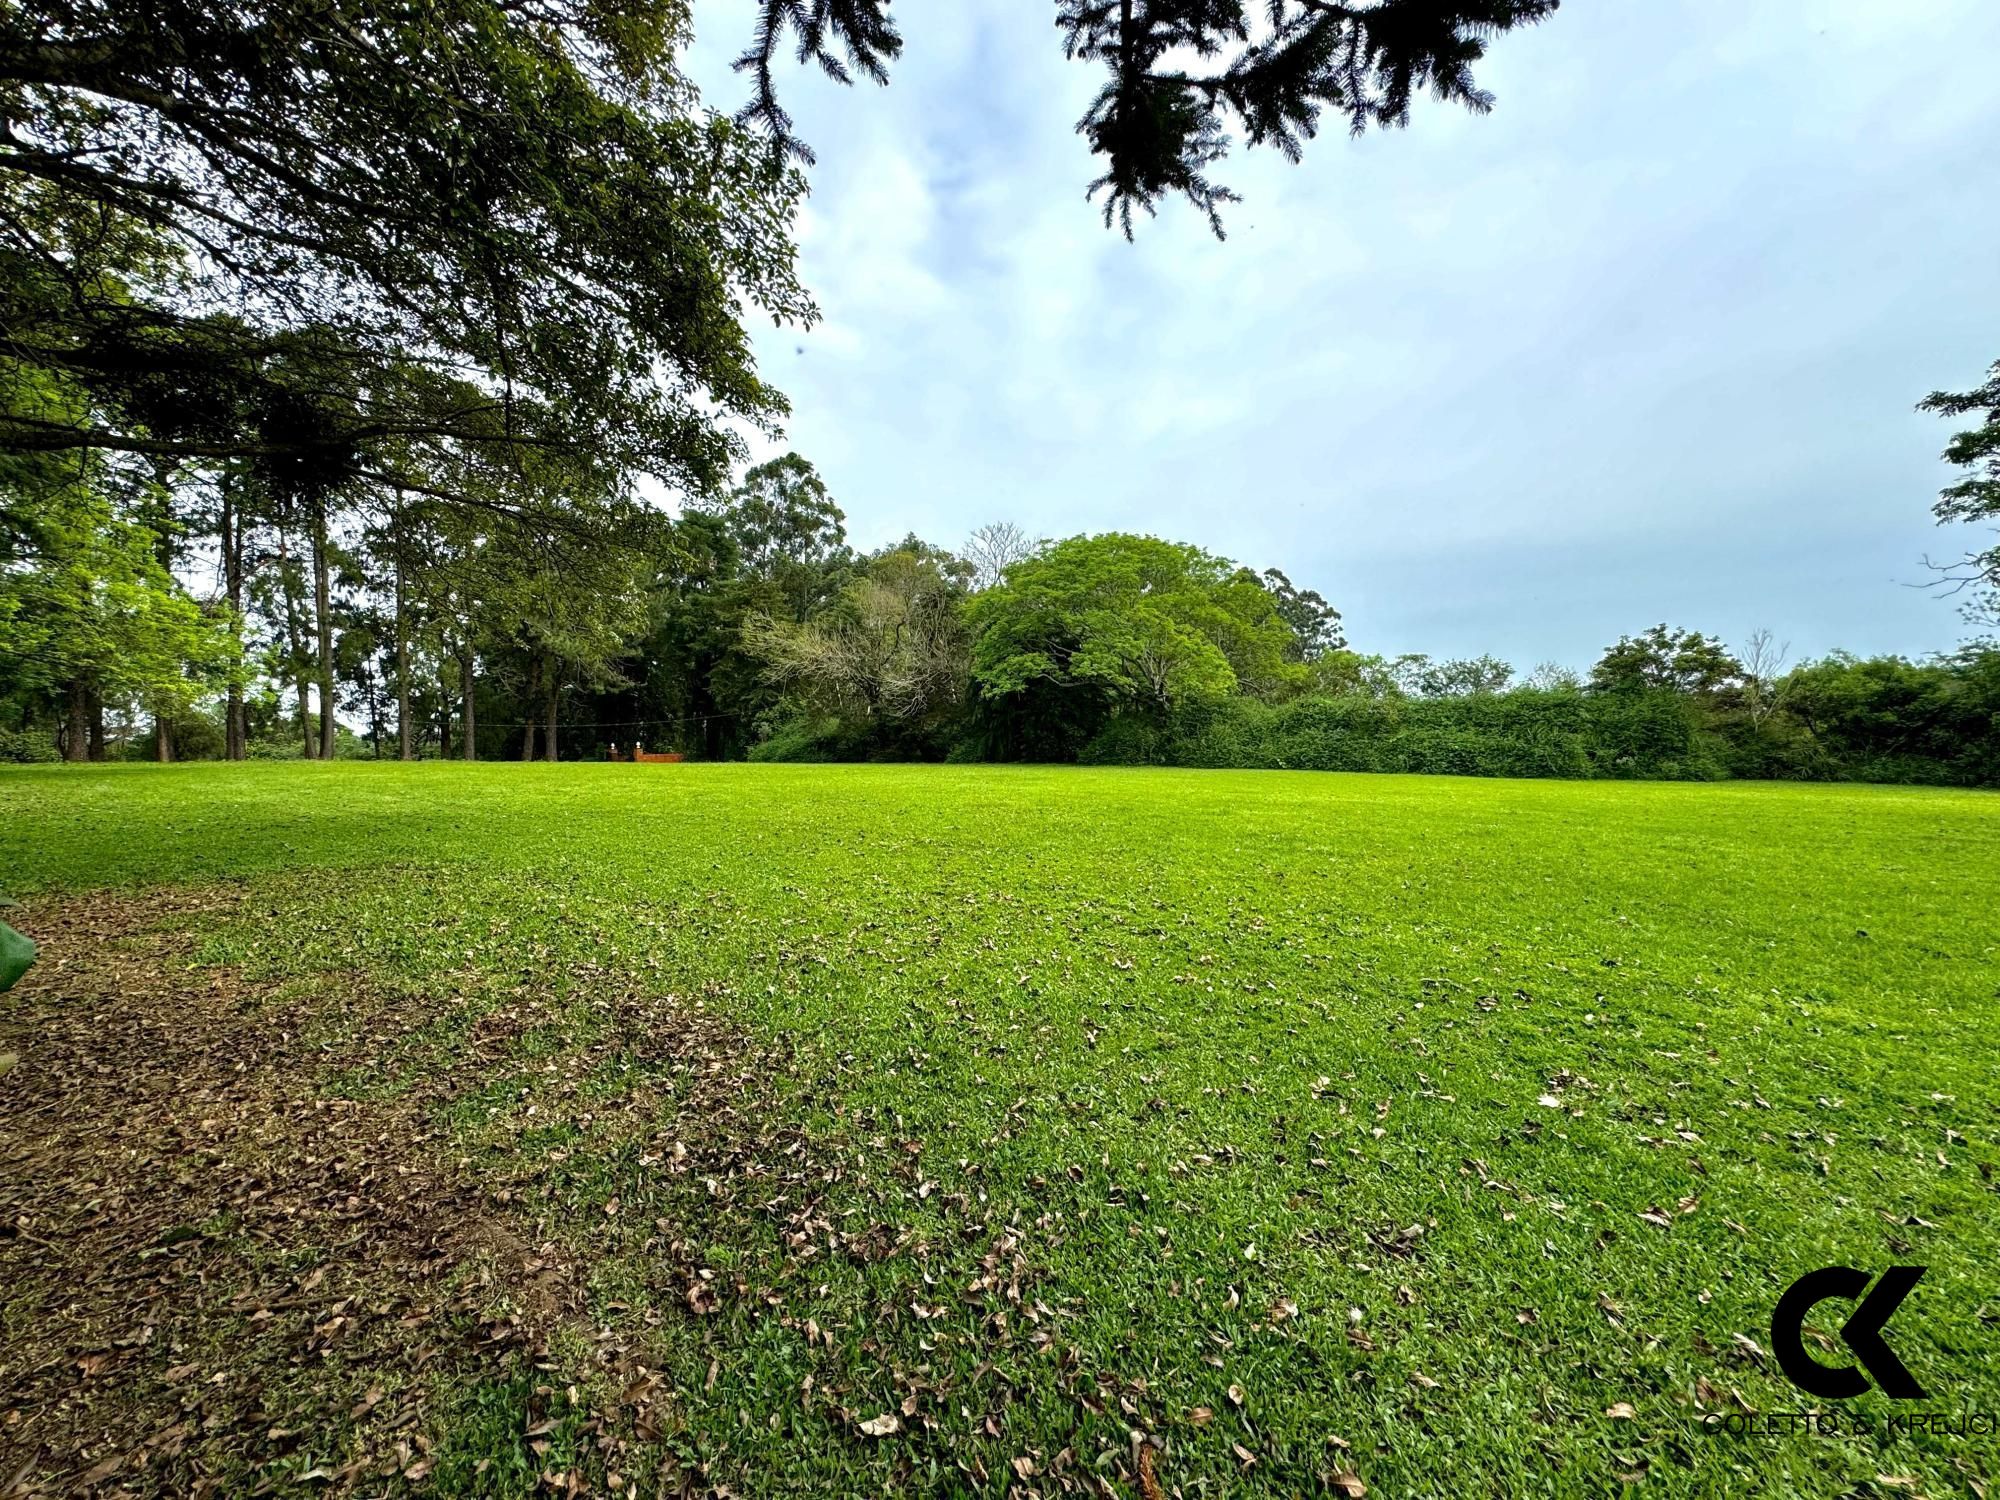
(345,353)
(748,625)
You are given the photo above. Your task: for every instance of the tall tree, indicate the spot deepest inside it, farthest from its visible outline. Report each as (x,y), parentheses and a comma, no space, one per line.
(1454,677)
(789,533)
(994,548)
(322,575)
(1315,623)
(90,614)
(891,654)
(567,606)
(1132,620)
(1679,661)
(232,523)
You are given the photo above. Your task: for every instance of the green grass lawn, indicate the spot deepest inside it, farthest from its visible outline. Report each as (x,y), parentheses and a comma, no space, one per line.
(1436,1136)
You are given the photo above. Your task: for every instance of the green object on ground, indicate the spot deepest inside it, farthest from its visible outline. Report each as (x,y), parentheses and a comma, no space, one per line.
(17,954)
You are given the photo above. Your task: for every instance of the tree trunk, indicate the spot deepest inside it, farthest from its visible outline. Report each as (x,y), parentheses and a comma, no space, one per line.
(163,551)
(295,647)
(553,688)
(76,727)
(404,749)
(234,730)
(95,714)
(322,603)
(529,697)
(466,733)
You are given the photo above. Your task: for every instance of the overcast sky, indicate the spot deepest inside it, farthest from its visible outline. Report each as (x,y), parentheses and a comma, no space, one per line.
(1643,344)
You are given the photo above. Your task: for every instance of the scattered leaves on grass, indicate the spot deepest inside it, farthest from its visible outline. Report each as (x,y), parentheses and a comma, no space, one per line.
(247,1262)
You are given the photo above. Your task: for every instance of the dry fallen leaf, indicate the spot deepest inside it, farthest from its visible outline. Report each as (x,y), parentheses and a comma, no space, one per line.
(1348,1483)
(1235,1395)
(882,1426)
(1620,1411)
(1201,1416)
(1149,1482)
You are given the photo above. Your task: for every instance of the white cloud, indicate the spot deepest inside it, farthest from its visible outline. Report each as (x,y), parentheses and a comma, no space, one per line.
(1641,344)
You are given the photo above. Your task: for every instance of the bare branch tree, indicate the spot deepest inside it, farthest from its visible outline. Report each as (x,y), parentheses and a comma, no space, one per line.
(993,548)
(1763,657)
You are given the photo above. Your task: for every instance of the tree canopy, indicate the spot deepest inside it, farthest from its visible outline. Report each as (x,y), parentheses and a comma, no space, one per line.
(1679,661)
(408,244)
(1133,619)
(1180,75)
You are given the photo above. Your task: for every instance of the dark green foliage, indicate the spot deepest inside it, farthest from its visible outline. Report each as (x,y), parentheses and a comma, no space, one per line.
(1315,624)
(817,740)
(1678,661)
(485,230)
(1841,719)
(1159,124)
(1453,677)
(788,534)
(1888,719)
(1976,497)
(23,747)
(1524,733)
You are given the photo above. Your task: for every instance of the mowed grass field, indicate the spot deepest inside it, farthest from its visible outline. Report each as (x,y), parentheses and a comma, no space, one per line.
(769,1130)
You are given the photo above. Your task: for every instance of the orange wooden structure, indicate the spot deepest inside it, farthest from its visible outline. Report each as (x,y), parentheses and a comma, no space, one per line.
(638,756)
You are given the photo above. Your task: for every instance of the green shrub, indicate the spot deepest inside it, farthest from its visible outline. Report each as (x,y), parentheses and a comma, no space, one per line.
(1126,740)
(27,746)
(1839,720)
(803,740)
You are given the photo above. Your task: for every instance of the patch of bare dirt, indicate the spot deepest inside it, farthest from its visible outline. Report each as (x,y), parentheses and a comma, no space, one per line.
(198,1245)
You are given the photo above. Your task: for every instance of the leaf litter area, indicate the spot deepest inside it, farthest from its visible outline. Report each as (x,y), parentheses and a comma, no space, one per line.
(317,1237)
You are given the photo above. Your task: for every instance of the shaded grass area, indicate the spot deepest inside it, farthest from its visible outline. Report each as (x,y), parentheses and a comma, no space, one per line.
(1320,1131)
(283,1233)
